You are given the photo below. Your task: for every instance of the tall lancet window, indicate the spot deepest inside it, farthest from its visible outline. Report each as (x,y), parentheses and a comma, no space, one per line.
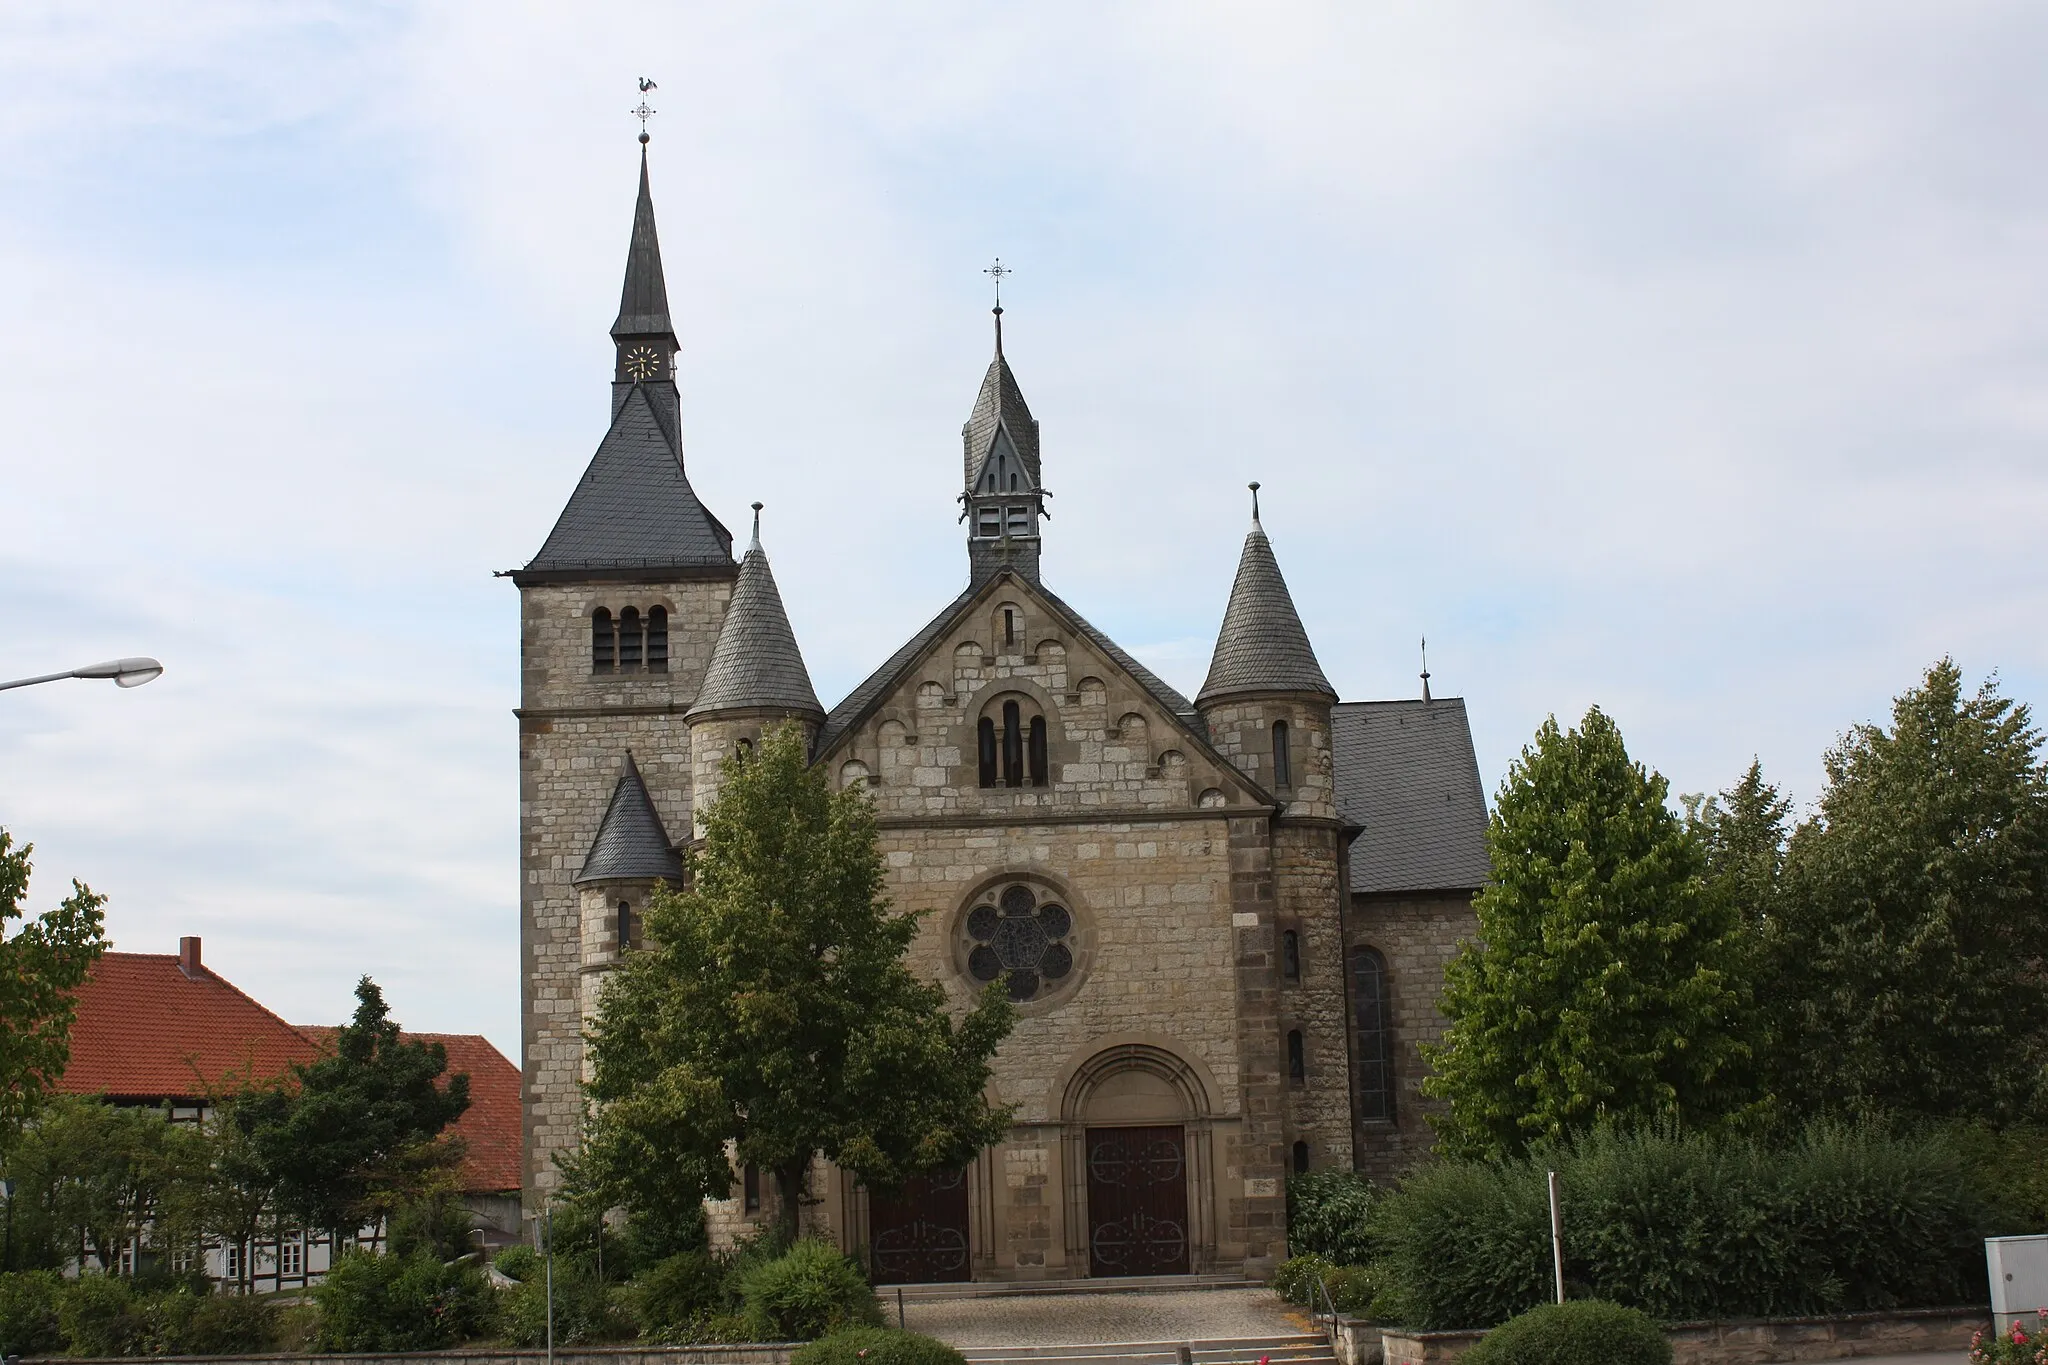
(1013,745)
(1283,761)
(625,925)
(1375,1034)
(657,639)
(629,640)
(604,642)
(986,734)
(1036,751)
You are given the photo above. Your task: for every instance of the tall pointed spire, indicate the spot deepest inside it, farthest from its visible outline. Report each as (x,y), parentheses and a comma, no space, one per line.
(1262,646)
(643,302)
(756,665)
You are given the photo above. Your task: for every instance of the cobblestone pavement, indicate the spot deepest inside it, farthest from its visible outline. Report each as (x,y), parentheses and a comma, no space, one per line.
(1083,1319)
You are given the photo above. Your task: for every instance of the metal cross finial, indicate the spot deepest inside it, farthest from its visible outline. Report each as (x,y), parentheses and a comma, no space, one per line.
(996,273)
(643,111)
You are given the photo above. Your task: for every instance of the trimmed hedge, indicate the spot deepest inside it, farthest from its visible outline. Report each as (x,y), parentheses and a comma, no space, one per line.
(876,1346)
(1846,1218)
(1576,1332)
(399,1303)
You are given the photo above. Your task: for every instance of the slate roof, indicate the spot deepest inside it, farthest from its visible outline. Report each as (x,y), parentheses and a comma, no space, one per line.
(1406,772)
(634,508)
(489,1128)
(1262,646)
(756,663)
(643,302)
(147,1031)
(630,841)
(999,403)
(851,711)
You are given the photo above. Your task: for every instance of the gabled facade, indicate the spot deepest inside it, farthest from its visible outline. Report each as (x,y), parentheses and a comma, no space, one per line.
(1164,885)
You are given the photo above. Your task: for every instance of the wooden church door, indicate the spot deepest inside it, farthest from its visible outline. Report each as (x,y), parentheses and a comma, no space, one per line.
(1137,1201)
(919,1235)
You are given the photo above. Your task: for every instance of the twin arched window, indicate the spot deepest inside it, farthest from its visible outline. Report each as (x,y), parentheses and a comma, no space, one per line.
(1012,754)
(1375,1034)
(629,643)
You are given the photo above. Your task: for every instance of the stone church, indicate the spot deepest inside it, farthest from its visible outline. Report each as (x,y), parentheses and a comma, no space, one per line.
(1224,920)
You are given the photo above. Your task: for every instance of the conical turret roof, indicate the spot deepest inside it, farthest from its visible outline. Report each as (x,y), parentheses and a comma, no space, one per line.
(630,841)
(756,665)
(1262,646)
(643,303)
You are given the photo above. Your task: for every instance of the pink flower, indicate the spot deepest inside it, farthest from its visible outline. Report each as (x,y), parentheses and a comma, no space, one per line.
(2019,1338)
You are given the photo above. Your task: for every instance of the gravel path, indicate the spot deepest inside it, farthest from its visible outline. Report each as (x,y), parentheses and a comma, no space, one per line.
(1084,1319)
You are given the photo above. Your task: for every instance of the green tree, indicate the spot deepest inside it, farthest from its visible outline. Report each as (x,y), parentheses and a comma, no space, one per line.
(42,965)
(1742,833)
(1909,969)
(772,1009)
(1600,987)
(358,1131)
(104,1175)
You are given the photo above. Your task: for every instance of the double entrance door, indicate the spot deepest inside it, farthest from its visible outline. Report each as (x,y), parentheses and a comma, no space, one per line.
(1137,1201)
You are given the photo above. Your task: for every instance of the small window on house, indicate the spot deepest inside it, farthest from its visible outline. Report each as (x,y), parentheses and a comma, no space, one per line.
(231,1263)
(625,925)
(1283,761)
(988,522)
(1290,955)
(629,640)
(1300,1157)
(291,1256)
(1375,1035)
(985,733)
(604,642)
(1297,1057)
(1013,745)
(1036,750)
(657,639)
(750,1189)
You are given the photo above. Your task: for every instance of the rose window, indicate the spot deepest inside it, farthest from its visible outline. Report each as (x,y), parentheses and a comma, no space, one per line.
(1019,935)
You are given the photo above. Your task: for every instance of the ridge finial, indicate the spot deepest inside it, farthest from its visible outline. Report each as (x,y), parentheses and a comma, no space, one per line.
(642,111)
(996,273)
(1254,486)
(1425,668)
(757,527)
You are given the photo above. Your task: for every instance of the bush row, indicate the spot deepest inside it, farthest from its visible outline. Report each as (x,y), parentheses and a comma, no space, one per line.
(1845,1217)
(416,1302)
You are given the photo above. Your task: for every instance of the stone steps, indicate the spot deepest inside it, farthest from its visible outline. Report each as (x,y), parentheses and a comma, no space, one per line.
(1132,1284)
(1295,1349)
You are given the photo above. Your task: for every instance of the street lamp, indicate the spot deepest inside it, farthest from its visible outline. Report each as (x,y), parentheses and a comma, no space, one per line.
(125,673)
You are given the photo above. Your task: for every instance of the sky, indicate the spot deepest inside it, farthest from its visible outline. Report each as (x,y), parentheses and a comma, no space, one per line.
(1686,360)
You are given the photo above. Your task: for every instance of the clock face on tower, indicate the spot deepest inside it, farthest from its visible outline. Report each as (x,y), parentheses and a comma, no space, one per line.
(643,362)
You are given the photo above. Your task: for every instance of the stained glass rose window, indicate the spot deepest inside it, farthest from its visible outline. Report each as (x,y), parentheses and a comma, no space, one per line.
(1020,934)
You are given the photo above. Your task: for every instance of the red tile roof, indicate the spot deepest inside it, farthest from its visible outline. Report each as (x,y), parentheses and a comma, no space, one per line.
(490,1126)
(147,1031)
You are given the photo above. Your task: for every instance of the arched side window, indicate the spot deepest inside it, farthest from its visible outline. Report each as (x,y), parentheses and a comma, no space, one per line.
(625,925)
(1300,1157)
(1037,751)
(985,734)
(604,642)
(1297,1057)
(742,749)
(1283,761)
(657,639)
(1013,745)
(1375,1034)
(1290,955)
(629,640)
(1009,625)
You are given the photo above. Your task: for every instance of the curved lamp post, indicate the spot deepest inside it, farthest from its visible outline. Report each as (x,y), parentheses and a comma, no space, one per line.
(125,673)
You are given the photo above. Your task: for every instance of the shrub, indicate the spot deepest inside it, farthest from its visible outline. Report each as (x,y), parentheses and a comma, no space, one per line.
(1577,1332)
(1349,1288)
(181,1323)
(98,1316)
(1329,1214)
(401,1303)
(520,1262)
(1844,1218)
(673,1300)
(1296,1274)
(876,1346)
(806,1292)
(2015,1346)
(586,1310)
(28,1313)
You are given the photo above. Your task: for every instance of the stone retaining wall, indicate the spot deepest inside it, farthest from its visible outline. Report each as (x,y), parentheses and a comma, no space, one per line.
(1760,1341)
(773,1353)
